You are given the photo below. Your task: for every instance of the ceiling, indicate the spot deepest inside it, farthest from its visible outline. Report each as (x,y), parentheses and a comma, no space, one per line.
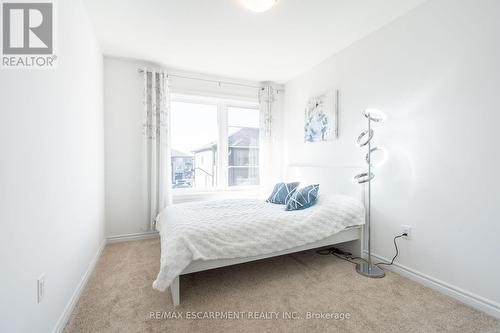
(222,38)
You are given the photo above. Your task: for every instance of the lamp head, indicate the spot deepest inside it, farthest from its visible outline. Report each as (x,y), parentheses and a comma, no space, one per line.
(364,138)
(380,154)
(374,115)
(364,177)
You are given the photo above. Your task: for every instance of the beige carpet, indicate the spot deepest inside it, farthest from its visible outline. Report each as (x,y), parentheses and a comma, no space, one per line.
(119,298)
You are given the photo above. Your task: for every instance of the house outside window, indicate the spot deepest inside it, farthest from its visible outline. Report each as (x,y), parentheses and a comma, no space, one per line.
(182,169)
(201,128)
(243,146)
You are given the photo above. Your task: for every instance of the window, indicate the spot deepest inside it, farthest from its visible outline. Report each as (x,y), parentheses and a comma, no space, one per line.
(194,133)
(243,146)
(202,128)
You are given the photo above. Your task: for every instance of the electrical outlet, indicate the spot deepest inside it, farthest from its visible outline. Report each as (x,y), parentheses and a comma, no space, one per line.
(40,288)
(406,229)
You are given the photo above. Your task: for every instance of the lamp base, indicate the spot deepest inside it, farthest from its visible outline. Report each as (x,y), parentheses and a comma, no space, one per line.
(370,270)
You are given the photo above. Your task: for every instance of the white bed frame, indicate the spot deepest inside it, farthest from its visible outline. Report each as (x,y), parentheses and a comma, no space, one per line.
(331,179)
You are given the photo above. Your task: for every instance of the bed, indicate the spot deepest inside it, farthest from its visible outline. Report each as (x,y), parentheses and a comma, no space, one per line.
(204,235)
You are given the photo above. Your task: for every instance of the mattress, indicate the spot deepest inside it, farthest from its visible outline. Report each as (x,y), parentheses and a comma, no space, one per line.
(238,228)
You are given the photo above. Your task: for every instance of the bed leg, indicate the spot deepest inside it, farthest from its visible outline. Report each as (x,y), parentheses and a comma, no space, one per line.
(175,290)
(356,246)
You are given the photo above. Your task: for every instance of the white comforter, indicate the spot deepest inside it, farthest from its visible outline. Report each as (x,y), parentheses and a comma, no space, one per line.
(236,228)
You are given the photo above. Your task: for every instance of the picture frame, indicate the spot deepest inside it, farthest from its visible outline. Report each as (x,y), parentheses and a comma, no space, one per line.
(321,117)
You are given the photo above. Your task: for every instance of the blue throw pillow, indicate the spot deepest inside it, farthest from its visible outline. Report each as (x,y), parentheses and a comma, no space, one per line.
(303,198)
(282,193)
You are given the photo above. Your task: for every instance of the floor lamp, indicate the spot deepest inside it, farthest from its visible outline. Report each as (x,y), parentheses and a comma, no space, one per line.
(364,139)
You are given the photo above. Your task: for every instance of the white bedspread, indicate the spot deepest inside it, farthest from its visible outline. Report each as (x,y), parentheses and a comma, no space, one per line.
(236,228)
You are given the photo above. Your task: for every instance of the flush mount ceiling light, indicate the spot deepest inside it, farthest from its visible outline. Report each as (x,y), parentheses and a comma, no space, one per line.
(258,6)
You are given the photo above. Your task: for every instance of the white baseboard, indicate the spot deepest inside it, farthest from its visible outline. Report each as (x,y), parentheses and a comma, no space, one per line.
(478,302)
(130,237)
(63,319)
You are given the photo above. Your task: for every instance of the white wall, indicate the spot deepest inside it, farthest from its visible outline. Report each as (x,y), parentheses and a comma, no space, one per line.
(51,177)
(126,187)
(126,192)
(436,73)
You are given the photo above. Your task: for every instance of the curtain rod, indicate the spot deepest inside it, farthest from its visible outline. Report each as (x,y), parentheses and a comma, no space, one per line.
(219,82)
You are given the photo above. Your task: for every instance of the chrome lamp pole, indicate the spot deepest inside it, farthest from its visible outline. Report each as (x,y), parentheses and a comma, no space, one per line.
(364,139)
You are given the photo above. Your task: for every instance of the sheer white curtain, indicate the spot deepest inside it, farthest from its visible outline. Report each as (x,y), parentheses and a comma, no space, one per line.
(271,155)
(157,142)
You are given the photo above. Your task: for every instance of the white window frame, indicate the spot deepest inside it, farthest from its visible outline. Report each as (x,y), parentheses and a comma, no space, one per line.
(185,194)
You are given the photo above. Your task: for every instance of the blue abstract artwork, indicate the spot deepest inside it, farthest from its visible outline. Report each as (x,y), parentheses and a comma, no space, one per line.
(321,118)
